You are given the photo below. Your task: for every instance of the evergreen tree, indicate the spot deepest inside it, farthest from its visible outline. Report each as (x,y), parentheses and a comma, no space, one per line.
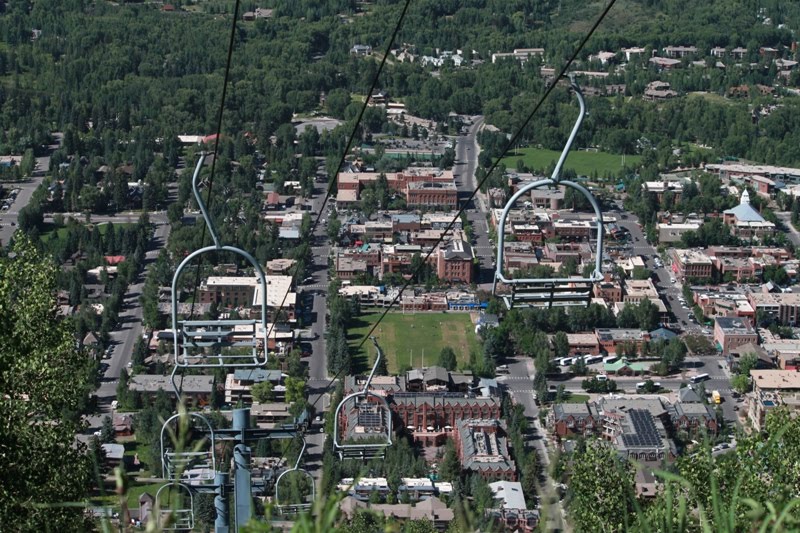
(447,358)
(107,433)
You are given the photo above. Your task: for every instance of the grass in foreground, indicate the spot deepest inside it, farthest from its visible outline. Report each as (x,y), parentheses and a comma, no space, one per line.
(407,338)
(584,163)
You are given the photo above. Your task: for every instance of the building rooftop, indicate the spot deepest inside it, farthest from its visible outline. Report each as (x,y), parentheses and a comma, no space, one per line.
(510,494)
(618,334)
(744,212)
(784,380)
(458,249)
(432,185)
(186,384)
(732,325)
(694,257)
(256,375)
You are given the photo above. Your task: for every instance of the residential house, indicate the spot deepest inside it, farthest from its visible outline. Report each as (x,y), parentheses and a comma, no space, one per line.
(511,510)
(431,509)
(239,383)
(361,50)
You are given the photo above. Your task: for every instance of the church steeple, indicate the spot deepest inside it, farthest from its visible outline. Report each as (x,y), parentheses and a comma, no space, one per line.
(745,198)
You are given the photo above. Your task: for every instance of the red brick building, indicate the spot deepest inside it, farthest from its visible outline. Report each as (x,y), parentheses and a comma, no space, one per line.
(455,262)
(432,417)
(431,194)
(482,447)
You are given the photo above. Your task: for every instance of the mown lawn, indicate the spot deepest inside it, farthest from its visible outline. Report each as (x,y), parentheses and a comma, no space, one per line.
(61,231)
(408,338)
(584,163)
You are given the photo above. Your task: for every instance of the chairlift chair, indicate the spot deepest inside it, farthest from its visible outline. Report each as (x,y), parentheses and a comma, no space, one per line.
(194,466)
(297,507)
(178,519)
(362,406)
(550,292)
(193,338)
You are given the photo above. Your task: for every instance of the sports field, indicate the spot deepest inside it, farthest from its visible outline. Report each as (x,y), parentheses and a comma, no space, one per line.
(584,163)
(412,336)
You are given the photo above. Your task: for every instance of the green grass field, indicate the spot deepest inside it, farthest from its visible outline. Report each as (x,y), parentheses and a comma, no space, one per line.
(584,163)
(403,336)
(61,231)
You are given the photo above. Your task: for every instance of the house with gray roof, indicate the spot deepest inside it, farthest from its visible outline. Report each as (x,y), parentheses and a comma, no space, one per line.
(195,390)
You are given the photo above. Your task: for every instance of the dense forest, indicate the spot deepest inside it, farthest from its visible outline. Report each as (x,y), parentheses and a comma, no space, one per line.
(138,75)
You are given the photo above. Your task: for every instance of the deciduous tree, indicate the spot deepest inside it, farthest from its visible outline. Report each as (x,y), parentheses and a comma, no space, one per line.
(44,380)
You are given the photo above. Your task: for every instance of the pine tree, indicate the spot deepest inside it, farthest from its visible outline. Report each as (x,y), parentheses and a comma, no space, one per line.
(447,358)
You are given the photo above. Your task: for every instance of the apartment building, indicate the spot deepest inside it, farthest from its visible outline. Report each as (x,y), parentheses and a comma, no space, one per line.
(782,306)
(772,389)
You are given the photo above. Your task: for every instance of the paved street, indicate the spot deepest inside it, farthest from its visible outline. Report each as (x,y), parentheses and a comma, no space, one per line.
(792,234)
(8,219)
(519,385)
(467,151)
(123,339)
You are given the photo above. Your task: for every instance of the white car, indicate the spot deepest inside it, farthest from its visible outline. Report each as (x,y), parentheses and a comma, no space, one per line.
(114,404)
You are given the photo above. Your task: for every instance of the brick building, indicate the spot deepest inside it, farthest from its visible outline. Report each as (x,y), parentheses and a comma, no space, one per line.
(482,447)
(431,194)
(431,417)
(455,262)
(783,307)
(610,339)
(245,291)
(732,332)
(692,264)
